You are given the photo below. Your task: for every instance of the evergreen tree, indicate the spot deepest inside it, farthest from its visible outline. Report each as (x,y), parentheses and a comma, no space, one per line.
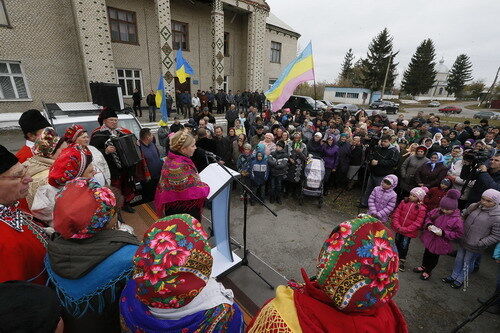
(460,73)
(346,72)
(419,77)
(357,74)
(377,59)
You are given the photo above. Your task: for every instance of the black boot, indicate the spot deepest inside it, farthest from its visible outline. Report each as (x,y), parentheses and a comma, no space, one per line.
(127,208)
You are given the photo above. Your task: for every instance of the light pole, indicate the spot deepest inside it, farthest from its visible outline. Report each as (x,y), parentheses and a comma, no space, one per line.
(385,79)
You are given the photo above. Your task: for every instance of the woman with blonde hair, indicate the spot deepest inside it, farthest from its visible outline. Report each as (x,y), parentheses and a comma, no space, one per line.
(180,190)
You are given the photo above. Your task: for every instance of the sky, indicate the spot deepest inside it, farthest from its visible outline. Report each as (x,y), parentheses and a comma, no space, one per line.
(456,26)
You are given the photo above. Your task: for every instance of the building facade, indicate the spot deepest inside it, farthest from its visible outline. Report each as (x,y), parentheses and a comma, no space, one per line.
(438,91)
(51,54)
(347,95)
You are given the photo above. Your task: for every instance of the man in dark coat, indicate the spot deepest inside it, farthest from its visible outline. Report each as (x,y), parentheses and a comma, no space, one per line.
(221,98)
(121,177)
(383,160)
(137,98)
(224,147)
(151,102)
(486,178)
(231,116)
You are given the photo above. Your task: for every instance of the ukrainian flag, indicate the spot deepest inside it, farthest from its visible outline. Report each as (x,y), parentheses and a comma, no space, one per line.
(161,102)
(183,69)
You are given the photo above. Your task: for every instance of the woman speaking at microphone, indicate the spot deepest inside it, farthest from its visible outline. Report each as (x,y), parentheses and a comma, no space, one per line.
(180,190)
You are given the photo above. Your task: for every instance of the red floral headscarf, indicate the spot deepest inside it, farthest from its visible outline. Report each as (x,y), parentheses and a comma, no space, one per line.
(73,132)
(69,165)
(357,266)
(173,263)
(45,145)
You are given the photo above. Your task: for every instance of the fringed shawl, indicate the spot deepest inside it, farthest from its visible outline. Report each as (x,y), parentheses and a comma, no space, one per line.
(179,181)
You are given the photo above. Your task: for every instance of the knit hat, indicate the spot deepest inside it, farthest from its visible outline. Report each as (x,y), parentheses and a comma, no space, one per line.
(446,182)
(357,266)
(46,143)
(492,194)
(82,208)
(318,134)
(344,135)
(424,148)
(281,144)
(174,262)
(393,179)
(73,132)
(419,192)
(450,200)
(70,164)
(32,121)
(247,146)
(405,122)
(7,159)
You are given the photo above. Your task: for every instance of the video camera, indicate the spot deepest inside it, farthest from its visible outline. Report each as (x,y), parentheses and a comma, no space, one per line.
(476,158)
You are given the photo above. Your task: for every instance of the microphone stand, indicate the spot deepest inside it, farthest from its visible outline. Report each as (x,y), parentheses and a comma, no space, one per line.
(247,192)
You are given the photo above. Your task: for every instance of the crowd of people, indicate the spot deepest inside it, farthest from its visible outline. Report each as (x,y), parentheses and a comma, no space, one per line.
(61,199)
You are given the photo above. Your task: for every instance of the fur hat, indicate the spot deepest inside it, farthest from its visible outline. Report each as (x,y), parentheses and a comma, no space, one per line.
(7,159)
(419,192)
(450,200)
(31,121)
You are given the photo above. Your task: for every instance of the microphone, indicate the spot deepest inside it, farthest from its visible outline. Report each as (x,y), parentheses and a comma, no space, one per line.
(213,156)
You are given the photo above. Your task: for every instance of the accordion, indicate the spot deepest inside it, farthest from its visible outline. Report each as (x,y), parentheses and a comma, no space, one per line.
(127,150)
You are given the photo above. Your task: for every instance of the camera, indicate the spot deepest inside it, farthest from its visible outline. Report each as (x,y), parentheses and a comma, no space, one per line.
(476,158)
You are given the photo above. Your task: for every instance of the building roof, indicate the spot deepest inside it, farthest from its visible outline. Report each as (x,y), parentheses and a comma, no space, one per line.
(441,68)
(275,21)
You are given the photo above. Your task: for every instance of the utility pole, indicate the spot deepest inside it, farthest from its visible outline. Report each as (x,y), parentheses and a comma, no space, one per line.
(385,79)
(491,88)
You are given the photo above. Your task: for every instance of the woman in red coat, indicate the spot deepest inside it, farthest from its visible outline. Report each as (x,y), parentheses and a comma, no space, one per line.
(352,292)
(407,221)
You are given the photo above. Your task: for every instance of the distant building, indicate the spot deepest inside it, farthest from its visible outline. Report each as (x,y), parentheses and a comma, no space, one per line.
(52,53)
(438,91)
(347,95)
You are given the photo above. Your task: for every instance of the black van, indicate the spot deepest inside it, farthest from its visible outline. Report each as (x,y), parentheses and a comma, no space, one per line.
(303,103)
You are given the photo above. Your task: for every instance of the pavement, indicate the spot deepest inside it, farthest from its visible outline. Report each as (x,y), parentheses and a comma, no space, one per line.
(293,240)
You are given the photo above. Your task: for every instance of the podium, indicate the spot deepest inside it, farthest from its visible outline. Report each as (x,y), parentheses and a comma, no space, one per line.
(220,183)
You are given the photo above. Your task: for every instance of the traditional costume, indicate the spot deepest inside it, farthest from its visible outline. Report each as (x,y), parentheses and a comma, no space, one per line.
(352,291)
(87,264)
(22,241)
(171,290)
(180,189)
(121,178)
(30,121)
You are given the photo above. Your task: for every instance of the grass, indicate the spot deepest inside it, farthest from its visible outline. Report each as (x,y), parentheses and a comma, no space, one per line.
(459,119)
(475,107)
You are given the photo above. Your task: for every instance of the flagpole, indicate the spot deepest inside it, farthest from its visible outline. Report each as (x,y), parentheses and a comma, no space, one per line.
(315,95)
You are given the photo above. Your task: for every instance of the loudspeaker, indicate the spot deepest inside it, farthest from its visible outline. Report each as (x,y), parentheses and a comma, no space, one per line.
(107,94)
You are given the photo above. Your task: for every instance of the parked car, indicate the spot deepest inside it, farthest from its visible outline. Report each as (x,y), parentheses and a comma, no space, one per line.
(352,108)
(434,104)
(376,104)
(450,109)
(486,115)
(328,103)
(302,102)
(320,105)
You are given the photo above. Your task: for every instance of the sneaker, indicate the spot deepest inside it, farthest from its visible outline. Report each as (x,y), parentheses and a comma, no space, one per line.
(402,267)
(456,285)
(447,280)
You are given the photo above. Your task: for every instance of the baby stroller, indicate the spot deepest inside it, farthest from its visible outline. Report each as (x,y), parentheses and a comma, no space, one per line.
(312,185)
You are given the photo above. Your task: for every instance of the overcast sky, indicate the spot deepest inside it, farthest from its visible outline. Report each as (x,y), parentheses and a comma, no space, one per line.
(455,26)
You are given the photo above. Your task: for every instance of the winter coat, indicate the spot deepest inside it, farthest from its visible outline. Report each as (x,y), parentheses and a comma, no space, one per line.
(433,197)
(454,171)
(382,202)
(452,226)
(357,155)
(408,218)
(224,148)
(270,147)
(278,162)
(408,171)
(243,164)
(259,171)
(484,181)
(481,228)
(431,178)
(296,162)
(331,156)
(315,148)
(387,160)
(344,156)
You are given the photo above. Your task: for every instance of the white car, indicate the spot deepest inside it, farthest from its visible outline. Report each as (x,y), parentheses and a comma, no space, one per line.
(434,104)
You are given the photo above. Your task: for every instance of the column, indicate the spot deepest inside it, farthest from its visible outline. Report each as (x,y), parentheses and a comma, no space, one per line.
(256,48)
(166,51)
(217,44)
(94,37)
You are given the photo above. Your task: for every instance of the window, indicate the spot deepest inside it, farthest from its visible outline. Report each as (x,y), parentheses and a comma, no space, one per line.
(340,94)
(226,44)
(352,95)
(271,82)
(129,79)
(12,82)
(123,26)
(4,20)
(276,52)
(180,36)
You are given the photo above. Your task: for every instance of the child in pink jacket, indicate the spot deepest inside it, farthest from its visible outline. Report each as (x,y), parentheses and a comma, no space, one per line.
(407,221)
(382,200)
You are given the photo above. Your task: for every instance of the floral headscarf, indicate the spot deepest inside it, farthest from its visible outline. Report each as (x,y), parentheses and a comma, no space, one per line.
(46,143)
(69,165)
(174,262)
(83,207)
(357,266)
(73,132)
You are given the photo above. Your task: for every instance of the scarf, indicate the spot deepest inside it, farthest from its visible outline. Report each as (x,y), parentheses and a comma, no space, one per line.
(297,144)
(138,317)
(440,160)
(179,181)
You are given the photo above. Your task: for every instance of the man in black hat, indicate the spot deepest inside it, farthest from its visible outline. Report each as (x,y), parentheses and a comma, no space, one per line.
(22,242)
(121,178)
(32,123)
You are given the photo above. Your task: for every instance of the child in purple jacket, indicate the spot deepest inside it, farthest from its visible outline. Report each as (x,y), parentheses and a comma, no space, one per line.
(382,200)
(441,227)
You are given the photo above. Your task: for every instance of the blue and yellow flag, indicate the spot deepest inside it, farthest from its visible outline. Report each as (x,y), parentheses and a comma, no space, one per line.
(183,69)
(161,102)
